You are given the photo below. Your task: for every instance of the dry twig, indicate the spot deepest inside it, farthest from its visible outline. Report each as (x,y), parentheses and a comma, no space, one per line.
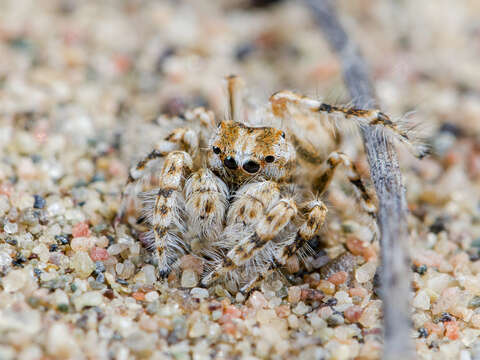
(386,176)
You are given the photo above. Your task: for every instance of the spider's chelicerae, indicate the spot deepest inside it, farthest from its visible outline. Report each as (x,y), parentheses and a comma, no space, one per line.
(236,193)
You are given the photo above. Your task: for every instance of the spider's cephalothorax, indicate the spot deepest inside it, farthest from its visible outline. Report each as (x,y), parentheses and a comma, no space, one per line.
(231,194)
(239,153)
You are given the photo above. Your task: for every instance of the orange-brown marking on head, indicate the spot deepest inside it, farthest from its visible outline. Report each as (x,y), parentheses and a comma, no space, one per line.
(239,152)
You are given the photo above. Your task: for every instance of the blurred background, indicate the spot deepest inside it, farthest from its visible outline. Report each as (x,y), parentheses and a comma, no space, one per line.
(116,64)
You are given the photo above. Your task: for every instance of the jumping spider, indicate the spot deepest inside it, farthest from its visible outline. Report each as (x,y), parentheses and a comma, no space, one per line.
(235,194)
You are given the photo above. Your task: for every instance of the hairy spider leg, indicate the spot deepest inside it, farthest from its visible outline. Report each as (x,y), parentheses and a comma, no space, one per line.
(325,176)
(257,206)
(179,139)
(402,131)
(235,89)
(315,213)
(167,208)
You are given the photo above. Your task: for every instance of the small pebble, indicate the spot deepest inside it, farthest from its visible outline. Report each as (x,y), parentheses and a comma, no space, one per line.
(82,264)
(199,328)
(475,302)
(189,279)
(282,311)
(257,300)
(311,295)
(82,243)
(335,320)
(446,317)
(10,227)
(422,333)
(5,259)
(331,301)
(301,308)
(81,230)
(451,330)
(216,315)
(151,296)
(91,298)
(366,272)
(353,313)
(421,300)
(422,269)
(199,293)
(14,281)
(99,267)
(100,278)
(98,254)
(63,308)
(338,278)
(326,287)
(62,239)
(193,263)
(138,295)
(293,321)
(294,294)
(39,202)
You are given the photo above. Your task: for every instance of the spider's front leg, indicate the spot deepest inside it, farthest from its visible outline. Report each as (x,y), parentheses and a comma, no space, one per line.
(179,139)
(164,207)
(314,214)
(283,102)
(259,207)
(324,178)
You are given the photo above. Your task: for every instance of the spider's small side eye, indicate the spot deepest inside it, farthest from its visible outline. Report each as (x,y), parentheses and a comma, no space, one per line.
(269,158)
(216,150)
(283,134)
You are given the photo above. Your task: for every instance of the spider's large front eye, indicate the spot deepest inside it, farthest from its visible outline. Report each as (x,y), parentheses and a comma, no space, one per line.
(270,158)
(251,167)
(216,150)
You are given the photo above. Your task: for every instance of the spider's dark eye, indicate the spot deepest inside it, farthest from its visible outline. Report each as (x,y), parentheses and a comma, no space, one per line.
(216,150)
(251,167)
(283,135)
(269,158)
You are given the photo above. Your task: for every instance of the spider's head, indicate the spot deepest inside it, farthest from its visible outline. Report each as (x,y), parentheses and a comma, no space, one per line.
(238,152)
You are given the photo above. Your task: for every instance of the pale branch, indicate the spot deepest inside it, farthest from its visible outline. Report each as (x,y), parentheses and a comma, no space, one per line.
(395,270)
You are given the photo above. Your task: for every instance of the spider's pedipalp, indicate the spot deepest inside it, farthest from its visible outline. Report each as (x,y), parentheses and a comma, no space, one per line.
(206,201)
(325,176)
(249,205)
(251,201)
(315,214)
(255,249)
